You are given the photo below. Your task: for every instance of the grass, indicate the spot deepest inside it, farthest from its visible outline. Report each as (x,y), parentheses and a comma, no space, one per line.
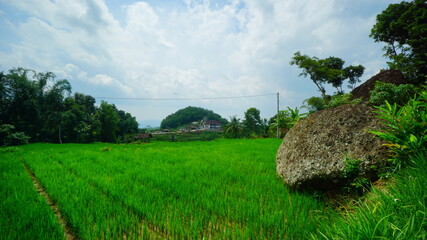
(223,189)
(219,189)
(396,212)
(24,214)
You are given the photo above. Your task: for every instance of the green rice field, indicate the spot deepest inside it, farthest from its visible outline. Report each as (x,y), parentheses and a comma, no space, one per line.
(222,189)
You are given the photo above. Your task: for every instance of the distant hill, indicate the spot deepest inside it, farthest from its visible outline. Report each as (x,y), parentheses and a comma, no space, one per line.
(188,115)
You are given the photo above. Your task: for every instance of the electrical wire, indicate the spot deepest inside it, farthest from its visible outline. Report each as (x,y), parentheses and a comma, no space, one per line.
(184,99)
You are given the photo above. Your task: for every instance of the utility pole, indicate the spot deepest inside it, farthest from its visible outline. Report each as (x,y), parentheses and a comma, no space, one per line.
(278,134)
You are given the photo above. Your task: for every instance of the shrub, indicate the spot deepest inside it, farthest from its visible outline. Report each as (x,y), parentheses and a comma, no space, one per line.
(392,93)
(10,138)
(341,99)
(357,183)
(404,128)
(18,138)
(314,104)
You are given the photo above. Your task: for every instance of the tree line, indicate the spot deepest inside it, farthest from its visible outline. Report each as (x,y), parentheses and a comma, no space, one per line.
(251,126)
(40,108)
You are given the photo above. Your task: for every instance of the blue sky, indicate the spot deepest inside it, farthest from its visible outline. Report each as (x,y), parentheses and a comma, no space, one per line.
(188,49)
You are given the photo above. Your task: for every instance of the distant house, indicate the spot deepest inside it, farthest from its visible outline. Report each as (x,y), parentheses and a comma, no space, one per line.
(212,125)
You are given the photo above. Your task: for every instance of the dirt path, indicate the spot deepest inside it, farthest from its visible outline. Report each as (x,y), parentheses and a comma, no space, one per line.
(68,233)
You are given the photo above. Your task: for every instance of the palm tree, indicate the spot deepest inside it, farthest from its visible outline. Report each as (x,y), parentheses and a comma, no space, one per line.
(295,116)
(234,129)
(287,119)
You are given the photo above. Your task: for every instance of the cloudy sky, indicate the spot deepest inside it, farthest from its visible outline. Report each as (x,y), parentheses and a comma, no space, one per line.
(175,49)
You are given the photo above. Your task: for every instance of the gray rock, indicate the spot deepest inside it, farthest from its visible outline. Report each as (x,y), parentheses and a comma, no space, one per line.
(313,153)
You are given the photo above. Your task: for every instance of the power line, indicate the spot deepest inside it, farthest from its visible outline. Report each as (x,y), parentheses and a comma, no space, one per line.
(184,99)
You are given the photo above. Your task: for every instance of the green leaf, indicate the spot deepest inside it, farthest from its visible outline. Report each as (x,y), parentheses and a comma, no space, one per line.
(413,139)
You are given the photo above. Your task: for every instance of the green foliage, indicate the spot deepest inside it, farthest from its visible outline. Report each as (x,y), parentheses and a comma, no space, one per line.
(287,119)
(314,104)
(252,124)
(17,138)
(404,128)
(127,124)
(32,102)
(392,93)
(352,167)
(10,138)
(400,212)
(341,99)
(403,27)
(39,106)
(24,214)
(356,183)
(109,119)
(188,115)
(329,70)
(353,73)
(225,189)
(234,129)
(79,122)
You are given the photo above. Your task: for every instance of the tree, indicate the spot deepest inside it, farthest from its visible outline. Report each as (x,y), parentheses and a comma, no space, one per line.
(287,119)
(313,68)
(79,121)
(52,104)
(21,96)
(127,124)
(403,27)
(252,122)
(109,120)
(9,138)
(281,122)
(334,73)
(32,102)
(353,73)
(329,70)
(40,106)
(295,115)
(234,128)
(188,115)
(314,104)
(5,95)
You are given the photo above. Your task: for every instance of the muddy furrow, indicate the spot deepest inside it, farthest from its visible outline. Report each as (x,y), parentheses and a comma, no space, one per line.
(68,233)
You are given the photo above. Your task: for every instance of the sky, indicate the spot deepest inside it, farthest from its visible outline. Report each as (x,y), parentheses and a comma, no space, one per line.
(174,53)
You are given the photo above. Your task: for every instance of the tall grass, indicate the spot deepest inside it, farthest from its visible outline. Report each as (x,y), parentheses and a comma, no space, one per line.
(223,189)
(24,214)
(398,212)
(218,189)
(91,214)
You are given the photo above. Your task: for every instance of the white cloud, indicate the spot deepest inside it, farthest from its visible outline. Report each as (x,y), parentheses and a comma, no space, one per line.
(202,49)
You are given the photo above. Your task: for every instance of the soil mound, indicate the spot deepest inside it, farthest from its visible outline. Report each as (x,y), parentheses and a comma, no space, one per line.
(387,76)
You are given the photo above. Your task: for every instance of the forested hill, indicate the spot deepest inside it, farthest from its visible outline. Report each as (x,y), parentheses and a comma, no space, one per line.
(38,107)
(188,115)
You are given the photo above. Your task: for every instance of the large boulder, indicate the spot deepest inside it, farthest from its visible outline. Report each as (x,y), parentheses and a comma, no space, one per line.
(313,153)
